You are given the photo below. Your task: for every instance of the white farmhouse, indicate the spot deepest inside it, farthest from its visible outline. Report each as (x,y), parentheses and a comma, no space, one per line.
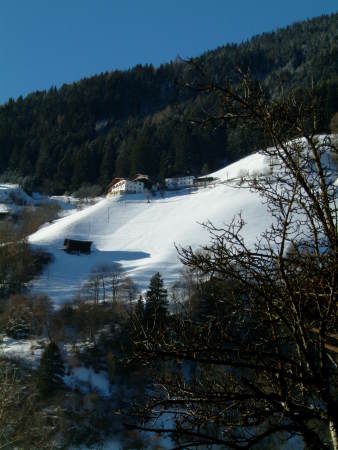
(125,186)
(179,182)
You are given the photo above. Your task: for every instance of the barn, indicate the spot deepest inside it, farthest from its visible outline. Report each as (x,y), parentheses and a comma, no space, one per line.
(77,246)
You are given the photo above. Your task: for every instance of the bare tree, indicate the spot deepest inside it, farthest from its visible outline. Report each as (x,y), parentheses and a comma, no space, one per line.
(106,282)
(266,358)
(92,287)
(129,289)
(22,422)
(115,281)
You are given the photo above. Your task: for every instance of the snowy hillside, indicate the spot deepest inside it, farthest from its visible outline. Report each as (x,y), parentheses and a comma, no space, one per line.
(140,236)
(13,196)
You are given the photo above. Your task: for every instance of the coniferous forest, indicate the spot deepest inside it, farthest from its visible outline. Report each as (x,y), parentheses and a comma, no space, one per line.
(142,120)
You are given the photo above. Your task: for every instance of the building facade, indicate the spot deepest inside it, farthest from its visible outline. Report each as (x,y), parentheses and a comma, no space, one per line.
(204,181)
(179,182)
(125,186)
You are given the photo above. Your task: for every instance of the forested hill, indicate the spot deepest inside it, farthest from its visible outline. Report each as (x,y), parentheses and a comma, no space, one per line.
(124,122)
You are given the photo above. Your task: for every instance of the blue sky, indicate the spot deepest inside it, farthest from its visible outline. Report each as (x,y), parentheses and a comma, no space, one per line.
(46,43)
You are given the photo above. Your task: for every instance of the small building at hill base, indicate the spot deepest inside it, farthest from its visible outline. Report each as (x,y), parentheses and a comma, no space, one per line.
(77,246)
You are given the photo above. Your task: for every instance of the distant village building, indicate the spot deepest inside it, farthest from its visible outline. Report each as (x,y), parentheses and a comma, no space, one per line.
(142,183)
(203,181)
(147,183)
(125,186)
(179,182)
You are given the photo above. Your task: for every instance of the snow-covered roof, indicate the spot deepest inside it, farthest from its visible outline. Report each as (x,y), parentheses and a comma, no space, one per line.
(115,181)
(140,177)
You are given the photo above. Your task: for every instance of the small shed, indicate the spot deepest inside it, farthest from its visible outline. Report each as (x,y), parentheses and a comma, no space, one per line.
(77,246)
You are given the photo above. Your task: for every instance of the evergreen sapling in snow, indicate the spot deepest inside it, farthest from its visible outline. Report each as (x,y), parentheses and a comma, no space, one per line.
(156,308)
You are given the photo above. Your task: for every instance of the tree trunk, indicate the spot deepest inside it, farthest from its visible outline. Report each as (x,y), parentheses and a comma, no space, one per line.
(333,434)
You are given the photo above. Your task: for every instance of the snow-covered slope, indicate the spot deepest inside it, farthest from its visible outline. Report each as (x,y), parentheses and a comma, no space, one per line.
(141,236)
(13,196)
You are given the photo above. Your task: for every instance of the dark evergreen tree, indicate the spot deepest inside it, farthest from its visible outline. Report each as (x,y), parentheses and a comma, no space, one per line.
(43,168)
(51,370)
(184,150)
(156,308)
(122,166)
(139,309)
(65,169)
(107,164)
(144,153)
(82,166)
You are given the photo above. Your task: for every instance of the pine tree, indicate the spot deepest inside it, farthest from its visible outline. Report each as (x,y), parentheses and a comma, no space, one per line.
(122,165)
(51,370)
(107,165)
(156,308)
(139,309)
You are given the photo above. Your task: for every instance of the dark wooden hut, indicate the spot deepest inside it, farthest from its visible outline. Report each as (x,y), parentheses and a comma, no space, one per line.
(76,246)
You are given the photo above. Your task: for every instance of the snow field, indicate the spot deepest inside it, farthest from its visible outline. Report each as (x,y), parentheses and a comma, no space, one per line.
(141,236)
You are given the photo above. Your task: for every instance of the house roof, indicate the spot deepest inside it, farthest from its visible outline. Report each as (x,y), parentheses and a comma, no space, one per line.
(114,181)
(204,179)
(140,177)
(174,177)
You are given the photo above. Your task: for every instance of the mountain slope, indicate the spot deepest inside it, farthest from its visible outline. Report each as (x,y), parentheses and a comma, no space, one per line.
(138,120)
(140,236)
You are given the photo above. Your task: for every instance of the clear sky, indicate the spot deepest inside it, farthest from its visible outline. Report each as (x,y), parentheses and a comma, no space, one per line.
(46,43)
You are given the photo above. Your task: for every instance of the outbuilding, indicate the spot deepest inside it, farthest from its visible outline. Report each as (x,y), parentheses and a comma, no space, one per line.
(77,246)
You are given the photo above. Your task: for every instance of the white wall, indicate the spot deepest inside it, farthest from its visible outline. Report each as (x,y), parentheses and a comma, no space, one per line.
(127,186)
(179,182)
